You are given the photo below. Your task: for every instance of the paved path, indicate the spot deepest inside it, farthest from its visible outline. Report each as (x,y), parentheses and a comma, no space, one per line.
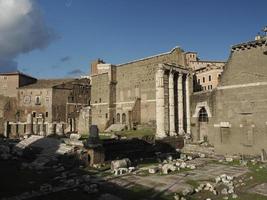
(260,189)
(178,182)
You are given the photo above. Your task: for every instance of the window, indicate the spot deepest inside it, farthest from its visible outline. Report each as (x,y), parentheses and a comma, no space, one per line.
(46,114)
(203,79)
(38,100)
(208,87)
(209,77)
(118,118)
(204,88)
(203,115)
(211,87)
(106,115)
(33,114)
(123,118)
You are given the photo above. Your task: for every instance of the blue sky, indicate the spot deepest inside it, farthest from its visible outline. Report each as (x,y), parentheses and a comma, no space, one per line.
(122,30)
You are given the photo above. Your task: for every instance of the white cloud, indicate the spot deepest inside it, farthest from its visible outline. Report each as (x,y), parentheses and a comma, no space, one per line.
(22,29)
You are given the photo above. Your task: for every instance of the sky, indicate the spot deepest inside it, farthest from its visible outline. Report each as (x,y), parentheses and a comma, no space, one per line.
(59,38)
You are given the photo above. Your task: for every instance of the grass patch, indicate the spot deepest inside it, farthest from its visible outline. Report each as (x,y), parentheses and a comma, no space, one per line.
(137,133)
(193,183)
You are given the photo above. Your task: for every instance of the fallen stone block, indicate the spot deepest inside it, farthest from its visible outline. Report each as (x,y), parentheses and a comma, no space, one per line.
(153,170)
(108,197)
(124,163)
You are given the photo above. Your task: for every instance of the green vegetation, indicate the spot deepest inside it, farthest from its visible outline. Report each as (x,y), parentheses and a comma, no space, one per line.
(127,133)
(193,183)
(136,133)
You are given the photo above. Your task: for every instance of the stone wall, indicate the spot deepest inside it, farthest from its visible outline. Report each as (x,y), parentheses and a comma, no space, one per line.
(238,106)
(199,100)
(8,111)
(28,104)
(84,121)
(59,102)
(127,91)
(100,100)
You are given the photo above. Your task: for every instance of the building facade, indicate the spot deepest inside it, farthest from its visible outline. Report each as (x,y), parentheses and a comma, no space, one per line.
(10,82)
(49,106)
(232,117)
(150,91)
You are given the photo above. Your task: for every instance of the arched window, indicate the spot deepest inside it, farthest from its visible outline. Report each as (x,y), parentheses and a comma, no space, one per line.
(118,118)
(203,115)
(123,118)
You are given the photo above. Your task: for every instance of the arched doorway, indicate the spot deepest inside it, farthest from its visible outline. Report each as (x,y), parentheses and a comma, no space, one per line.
(123,118)
(203,120)
(118,118)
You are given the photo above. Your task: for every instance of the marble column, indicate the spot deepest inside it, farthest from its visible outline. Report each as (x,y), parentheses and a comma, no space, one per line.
(29,126)
(188,115)
(7,129)
(180,104)
(160,132)
(42,133)
(171,105)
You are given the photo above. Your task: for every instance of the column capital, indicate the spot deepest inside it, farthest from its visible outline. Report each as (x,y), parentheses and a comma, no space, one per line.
(180,74)
(160,67)
(171,73)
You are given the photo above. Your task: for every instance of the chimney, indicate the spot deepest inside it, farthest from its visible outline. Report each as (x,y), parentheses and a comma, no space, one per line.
(94,64)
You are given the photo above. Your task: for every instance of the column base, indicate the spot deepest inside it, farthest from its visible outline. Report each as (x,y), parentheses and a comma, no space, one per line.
(173,134)
(181,132)
(161,136)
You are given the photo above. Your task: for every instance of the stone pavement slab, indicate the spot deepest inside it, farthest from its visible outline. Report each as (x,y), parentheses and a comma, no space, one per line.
(178,182)
(260,189)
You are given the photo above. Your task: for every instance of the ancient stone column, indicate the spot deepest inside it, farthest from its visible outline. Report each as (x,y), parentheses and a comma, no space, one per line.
(29,126)
(188,115)
(171,106)
(180,104)
(59,129)
(160,133)
(7,130)
(42,133)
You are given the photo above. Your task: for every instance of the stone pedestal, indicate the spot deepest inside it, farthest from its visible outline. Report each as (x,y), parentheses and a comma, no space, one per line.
(96,155)
(160,133)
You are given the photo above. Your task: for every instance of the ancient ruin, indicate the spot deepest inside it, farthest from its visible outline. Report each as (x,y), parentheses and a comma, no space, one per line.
(168,126)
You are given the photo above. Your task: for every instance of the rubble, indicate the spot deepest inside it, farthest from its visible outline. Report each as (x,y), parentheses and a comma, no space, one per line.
(152,170)
(187,191)
(108,196)
(124,163)
(234,196)
(75,136)
(90,189)
(120,171)
(229,159)
(168,167)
